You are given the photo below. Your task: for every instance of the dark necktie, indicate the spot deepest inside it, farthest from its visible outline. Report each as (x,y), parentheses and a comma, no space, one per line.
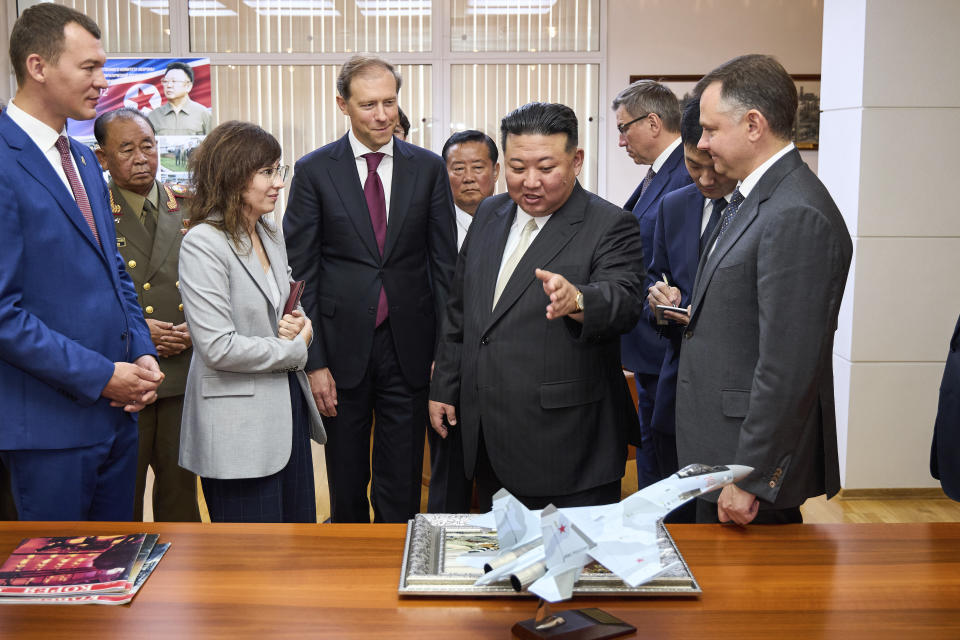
(647,180)
(79,193)
(150,218)
(718,206)
(377,205)
(730,212)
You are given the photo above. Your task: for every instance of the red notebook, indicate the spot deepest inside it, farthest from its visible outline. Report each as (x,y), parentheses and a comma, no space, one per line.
(296,290)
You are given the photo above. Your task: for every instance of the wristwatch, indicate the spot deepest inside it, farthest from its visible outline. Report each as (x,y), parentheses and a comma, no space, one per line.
(579,301)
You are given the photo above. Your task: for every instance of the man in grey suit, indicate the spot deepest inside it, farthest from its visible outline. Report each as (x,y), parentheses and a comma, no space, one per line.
(755,384)
(528,364)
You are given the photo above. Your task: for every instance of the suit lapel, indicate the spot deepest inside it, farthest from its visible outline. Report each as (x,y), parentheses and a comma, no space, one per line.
(346,181)
(251,263)
(749,210)
(490,254)
(690,229)
(401,192)
(658,184)
(168,232)
(550,240)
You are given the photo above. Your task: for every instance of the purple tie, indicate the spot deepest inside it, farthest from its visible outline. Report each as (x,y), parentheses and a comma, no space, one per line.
(377,205)
(647,179)
(79,194)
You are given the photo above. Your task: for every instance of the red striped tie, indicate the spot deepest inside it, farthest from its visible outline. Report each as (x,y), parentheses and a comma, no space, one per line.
(79,193)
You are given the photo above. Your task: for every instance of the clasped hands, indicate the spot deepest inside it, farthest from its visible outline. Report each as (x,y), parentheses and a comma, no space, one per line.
(133,385)
(169,339)
(295,324)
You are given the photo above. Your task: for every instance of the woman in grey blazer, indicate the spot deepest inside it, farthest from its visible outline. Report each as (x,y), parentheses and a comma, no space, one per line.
(248,412)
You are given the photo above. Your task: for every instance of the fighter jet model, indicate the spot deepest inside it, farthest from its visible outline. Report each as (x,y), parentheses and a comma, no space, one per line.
(545,551)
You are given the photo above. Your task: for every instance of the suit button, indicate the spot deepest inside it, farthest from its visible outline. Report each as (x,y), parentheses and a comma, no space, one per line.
(180,308)
(773,484)
(688,334)
(371,310)
(484,340)
(146,286)
(177,283)
(123,336)
(132,264)
(148,309)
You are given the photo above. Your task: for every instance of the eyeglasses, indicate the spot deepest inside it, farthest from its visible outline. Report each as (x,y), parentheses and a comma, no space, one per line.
(622,128)
(272,173)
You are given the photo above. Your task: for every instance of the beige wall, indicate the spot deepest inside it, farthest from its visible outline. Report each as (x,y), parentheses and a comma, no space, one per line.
(683,37)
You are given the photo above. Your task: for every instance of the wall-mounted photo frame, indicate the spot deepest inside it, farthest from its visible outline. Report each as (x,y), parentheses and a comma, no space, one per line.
(807,127)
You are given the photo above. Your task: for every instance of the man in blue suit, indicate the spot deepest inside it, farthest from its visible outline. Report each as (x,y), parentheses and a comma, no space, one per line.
(945,452)
(648,119)
(76,360)
(685,220)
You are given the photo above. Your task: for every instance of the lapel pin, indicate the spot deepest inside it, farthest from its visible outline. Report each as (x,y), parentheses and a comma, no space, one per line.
(83,161)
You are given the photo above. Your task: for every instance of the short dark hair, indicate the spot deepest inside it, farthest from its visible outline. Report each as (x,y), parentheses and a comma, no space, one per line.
(40,30)
(541,118)
(358,65)
(690,129)
(756,81)
(403,121)
(471,135)
(102,123)
(187,69)
(646,96)
(221,167)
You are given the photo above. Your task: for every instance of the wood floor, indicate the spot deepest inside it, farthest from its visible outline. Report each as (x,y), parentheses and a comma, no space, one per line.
(902,505)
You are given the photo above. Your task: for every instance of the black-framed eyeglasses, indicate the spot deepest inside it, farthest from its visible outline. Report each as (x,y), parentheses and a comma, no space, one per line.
(270,173)
(622,128)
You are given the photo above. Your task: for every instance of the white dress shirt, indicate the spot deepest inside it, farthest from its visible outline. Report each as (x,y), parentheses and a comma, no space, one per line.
(45,138)
(708,211)
(463,225)
(747,184)
(513,238)
(384,170)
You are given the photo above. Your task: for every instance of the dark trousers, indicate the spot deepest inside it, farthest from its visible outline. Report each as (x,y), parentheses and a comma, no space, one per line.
(83,483)
(8,509)
(707,514)
(488,484)
(174,488)
(401,417)
(450,489)
(285,496)
(665,449)
(648,471)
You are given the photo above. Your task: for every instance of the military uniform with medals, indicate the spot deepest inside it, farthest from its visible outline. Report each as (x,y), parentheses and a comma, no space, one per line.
(149,231)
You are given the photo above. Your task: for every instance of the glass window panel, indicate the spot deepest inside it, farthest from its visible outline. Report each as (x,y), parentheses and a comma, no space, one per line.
(128,26)
(524,25)
(309,26)
(483,93)
(297,104)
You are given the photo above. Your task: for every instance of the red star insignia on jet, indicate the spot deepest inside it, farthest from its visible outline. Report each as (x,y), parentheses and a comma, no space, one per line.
(563,528)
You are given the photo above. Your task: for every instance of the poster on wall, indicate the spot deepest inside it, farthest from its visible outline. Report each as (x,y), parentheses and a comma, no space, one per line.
(173,93)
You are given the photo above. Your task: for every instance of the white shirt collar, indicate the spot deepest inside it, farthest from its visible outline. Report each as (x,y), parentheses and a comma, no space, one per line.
(662,158)
(463,218)
(522,218)
(747,184)
(359,148)
(41,134)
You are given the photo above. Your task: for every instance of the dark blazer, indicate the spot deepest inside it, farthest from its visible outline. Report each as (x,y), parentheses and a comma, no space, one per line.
(67,307)
(642,348)
(676,252)
(945,452)
(331,245)
(152,265)
(755,385)
(554,406)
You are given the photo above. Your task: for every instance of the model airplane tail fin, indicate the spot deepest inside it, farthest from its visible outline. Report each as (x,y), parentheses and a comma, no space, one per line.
(565,552)
(516,524)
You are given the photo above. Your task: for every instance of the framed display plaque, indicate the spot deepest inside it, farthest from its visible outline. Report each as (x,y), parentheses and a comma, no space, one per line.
(435,540)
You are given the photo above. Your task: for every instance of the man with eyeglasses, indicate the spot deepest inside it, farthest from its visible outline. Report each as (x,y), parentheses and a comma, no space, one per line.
(179,116)
(148,216)
(648,120)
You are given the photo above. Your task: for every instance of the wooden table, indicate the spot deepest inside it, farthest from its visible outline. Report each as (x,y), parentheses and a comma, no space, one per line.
(340,581)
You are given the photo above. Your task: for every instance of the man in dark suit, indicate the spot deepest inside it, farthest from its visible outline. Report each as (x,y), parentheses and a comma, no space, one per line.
(648,119)
(945,451)
(685,220)
(148,217)
(376,281)
(528,364)
(755,385)
(76,360)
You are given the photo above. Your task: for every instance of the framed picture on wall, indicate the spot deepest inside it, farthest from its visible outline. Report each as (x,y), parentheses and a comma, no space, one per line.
(806,130)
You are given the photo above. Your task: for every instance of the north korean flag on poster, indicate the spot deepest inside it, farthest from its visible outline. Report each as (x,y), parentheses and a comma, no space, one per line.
(136,83)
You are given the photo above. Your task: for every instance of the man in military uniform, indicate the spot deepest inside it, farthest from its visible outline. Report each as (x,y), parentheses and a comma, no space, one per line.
(149,219)
(179,116)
